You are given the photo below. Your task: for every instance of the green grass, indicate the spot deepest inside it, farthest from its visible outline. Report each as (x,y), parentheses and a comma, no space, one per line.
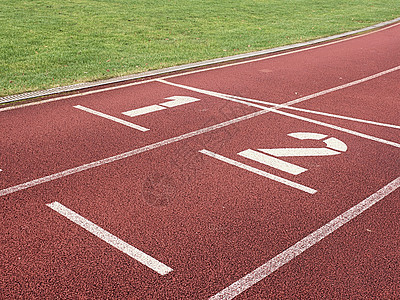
(48,43)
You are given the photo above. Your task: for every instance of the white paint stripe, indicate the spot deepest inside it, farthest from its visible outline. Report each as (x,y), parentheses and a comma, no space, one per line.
(286,256)
(319,112)
(272,162)
(100,114)
(195,71)
(305,98)
(275,110)
(124,155)
(349,131)
(111,239)
(260,172)
(143,110)
(340,87)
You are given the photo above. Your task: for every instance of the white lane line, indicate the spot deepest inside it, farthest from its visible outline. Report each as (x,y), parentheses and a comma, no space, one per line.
(320,113)
(111,239)
(286,256)
(275,110)
(259,172)
(143,110)
(305,98)
(272,162)
(98,163)
(343,86)
(342,129)
(100,114)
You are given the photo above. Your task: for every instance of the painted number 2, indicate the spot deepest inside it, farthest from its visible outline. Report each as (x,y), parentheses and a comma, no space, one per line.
(270,158)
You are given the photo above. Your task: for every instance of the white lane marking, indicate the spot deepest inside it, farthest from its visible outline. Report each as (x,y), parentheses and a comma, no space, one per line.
(272,162)
(111,239)
(343,86)
(143,110)
(275,110)
(286,256)
(179,100)
(296,101)
(291,152)
(100,114)
(259,172)
(98,163)
(342,129)
(319,112)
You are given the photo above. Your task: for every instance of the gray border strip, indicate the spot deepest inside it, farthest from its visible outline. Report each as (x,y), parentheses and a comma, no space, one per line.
(85,85)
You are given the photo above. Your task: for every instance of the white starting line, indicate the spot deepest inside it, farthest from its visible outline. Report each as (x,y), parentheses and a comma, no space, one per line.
(108,117)
(111,239)
(259,172)
(174,101)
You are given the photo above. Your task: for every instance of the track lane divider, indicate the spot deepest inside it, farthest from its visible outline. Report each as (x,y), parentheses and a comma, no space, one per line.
(285,106)
(111,239)
(286,256)
(108,117)
(289,105)
(259,172)
(276,107)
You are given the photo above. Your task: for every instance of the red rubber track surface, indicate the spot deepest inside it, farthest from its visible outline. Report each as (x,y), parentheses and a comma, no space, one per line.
(210,221)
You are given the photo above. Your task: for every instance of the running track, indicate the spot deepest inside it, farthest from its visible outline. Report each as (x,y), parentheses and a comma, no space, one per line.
(276,177)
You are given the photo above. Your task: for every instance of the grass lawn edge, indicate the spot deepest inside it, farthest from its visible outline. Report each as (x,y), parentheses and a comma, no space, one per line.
(139,76)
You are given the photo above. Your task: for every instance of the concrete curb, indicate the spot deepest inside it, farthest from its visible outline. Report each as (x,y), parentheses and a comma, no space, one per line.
(80,86)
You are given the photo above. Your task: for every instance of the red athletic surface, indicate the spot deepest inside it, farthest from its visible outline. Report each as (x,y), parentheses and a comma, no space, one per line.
(211,222)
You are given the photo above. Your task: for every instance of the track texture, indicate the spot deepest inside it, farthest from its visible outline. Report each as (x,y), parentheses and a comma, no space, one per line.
(210,221)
